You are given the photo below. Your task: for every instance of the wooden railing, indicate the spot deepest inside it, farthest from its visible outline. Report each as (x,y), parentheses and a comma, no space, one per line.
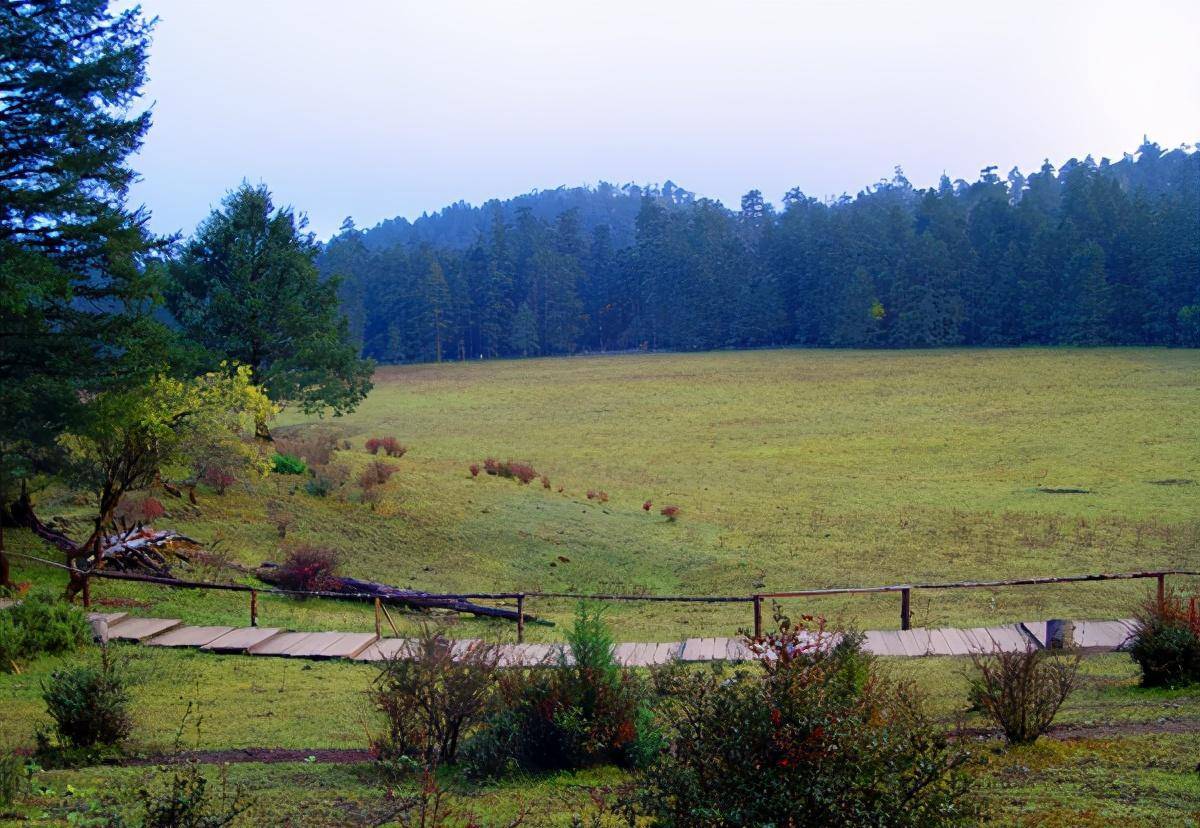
(523,598)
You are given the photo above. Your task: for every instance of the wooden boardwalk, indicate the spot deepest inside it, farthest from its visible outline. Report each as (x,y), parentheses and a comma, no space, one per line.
(1090,636)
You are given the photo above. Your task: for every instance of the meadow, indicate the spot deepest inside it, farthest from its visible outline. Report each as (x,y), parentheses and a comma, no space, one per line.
(791,469)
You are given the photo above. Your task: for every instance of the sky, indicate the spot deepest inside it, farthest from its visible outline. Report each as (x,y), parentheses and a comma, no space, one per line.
(381,109)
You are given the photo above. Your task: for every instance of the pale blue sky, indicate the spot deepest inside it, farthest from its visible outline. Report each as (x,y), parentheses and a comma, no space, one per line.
(377,109)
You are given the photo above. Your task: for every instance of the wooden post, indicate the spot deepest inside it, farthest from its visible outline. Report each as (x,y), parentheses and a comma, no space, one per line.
(905,609)
(758,616)
(378,620)
(1162,589)
(254,608)
(87,591)
(521,618)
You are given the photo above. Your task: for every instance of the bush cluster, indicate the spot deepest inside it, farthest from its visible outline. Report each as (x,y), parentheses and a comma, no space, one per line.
(41,623)
(812,735)
(512,469)
(588,710)
(1166,642)
(314,447)
(388,445)
(89,704)
(376,474)
(308,568)
(288,464)
(139,509)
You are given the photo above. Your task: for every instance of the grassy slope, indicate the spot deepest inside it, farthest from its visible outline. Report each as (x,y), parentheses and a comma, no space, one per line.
(793,469)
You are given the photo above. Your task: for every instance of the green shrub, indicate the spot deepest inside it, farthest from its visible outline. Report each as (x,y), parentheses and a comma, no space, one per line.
(41,623)
(319,486)
(12,773)
(584,711)
(89,704)
(288,464)
(1166,643)
(812,735)
(1021,690)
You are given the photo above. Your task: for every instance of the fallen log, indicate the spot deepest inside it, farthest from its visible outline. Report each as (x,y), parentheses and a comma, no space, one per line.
(268,573)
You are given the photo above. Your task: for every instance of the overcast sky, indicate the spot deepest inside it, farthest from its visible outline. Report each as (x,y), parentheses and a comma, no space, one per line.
(378,109)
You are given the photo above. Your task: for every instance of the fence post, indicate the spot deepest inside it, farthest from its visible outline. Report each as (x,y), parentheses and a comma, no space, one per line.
(87,590)
(378,620)
(520,618)
(905,609)
(758,616)
(254,608)
(1162,589)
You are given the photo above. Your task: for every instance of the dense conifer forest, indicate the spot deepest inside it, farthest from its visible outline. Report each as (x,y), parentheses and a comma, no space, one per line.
(1086,254)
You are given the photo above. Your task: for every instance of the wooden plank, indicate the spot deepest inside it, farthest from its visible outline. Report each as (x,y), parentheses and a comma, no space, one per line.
(737,650)
(314,645)
(385,649)
(708,649)
(1101,636)
(5,603)
(873,642)
(691,649)
(1008,638)
(938,646)
(955,641)
(188,636)
(623,653)
(277,645)
(913,642)
(139,629)
(110,618)
(892,645)
(348,645)
(240,640)
(1036,630)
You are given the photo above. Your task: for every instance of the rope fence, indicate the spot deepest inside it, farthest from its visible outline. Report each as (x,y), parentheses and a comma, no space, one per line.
(757,599)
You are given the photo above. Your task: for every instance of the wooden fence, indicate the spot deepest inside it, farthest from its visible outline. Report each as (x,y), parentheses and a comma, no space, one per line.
(524,598)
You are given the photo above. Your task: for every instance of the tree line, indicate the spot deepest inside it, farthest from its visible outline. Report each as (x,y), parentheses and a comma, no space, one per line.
(1090,253)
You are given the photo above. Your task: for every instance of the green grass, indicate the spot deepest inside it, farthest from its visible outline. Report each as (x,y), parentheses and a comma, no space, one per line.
(793,469)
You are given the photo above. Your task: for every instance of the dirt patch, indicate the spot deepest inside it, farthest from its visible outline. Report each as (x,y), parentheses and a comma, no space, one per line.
(1172,481)
(1108,730)
(1062,490)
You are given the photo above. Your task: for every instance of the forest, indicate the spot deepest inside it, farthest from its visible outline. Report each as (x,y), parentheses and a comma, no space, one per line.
(1089,253)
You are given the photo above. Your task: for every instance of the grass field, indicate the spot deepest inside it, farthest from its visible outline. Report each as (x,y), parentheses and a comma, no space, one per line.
(792,469)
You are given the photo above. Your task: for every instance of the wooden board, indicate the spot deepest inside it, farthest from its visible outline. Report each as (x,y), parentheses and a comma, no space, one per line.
(139,629)
(955,641)
(691,649)
(188,636)
(385,648)
(348,645)
(1102,636)
(240,640)
(278,645)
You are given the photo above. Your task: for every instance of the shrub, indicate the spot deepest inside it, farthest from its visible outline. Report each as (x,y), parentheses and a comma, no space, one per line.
(1021,690)
(89,704)
(319,486)
(474,467)
(646,506)
(12,772)
(218,478)
(314,447)
(669,512)
(545,482)
(492,466)
(280,518)
(584,712)
(376,474)
(41,623)
(431,696)
(143,509)
(591,494)
(810,736)
(308,568)
(519,470)
(602,496)
(389,445)
(287,464)
(1166,642)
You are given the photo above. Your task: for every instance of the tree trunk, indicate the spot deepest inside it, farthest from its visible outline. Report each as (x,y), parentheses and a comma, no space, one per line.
(5,579)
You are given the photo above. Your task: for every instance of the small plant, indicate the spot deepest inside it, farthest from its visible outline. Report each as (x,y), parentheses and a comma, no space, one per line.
(142,509)
(12,774)
(545,482)
(1166,641)
(647,506)
(389,445)
(492,466)
(280,518)
(308,568)
(89,704)
(591,494)
(671,513)
(431,697)
(376,474)
(41,623)
(217,478)
(287,464)
(474,468)
(312,445)
(521,471)
(1022,690)
(319,486)
(602,496)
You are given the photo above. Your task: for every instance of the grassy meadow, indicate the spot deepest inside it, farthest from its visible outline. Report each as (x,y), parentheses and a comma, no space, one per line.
(792,469)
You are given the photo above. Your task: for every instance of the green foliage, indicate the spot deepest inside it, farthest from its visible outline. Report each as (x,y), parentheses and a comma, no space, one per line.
(12,774)
(89,704)
(246,289)
(1166,643)
(1022,690)
(586,711)
(806,738)
(41,624)
(287,464)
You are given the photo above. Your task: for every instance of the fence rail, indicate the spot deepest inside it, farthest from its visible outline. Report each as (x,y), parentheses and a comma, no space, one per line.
(522,598)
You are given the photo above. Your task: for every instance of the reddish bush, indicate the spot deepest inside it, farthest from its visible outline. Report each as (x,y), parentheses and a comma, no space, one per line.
(512,469)
(669,512)
(314,447)
(591,494)
(474,470)
(376,474)
(491,466)
(646,506)
(390,446)
(545,482)
(139,510)
(152,508)
(308,568)
(218,478)
(602,496)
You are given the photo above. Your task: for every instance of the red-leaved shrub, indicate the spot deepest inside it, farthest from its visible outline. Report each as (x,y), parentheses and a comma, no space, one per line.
(139,510)
(390,446)
(646,506)
(602,496)
(492,466)
(474,470)
(308,568)
(376,474)
(591,494)
(669,512)
(218,478)
(512,469)
(545,482)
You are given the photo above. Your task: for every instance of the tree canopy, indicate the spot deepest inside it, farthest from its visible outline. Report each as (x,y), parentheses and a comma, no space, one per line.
(246,288)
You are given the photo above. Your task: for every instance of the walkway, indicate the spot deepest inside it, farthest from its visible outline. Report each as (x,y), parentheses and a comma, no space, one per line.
(1090,636)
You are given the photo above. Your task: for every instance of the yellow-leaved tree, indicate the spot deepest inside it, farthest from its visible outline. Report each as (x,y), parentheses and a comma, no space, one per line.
(133,437)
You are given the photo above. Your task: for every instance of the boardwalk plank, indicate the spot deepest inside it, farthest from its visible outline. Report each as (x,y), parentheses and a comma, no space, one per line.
(240,640)
(1101,636)
(955,641)
(691,649)
(140,629)
(188,636)
(278,645)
